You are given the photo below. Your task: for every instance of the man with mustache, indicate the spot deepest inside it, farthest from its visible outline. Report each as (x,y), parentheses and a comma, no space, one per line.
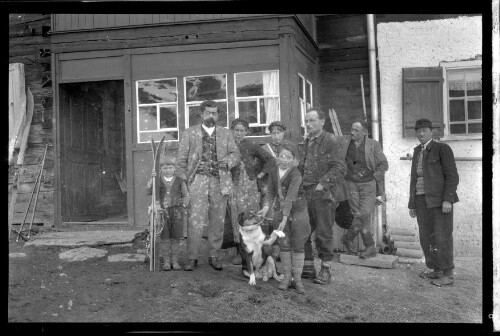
(433,190)
(206,154)
(366,166)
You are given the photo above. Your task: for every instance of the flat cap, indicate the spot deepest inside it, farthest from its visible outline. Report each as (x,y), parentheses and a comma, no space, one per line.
(278,124)
(421,123)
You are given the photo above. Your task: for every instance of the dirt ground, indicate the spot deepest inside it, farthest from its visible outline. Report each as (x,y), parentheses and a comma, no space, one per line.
(44,288)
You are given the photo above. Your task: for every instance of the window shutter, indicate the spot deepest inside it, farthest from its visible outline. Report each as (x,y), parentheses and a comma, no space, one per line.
(422,98)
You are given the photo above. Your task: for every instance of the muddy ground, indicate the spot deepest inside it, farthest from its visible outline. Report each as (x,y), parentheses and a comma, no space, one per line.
(44,288)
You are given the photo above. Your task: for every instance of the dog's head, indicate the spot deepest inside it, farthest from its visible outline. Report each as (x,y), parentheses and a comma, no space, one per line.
(249,218)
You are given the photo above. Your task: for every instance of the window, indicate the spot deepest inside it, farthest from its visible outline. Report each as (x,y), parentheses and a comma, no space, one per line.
(257,99)
(464,100)
(305,100)
(157,110)
(200,88)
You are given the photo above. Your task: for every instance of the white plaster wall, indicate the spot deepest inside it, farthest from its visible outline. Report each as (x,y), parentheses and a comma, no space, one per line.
(426,44)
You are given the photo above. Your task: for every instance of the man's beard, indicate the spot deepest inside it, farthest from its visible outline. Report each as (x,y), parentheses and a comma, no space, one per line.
(209,122)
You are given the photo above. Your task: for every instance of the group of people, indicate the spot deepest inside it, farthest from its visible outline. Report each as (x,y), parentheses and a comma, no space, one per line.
(297,188)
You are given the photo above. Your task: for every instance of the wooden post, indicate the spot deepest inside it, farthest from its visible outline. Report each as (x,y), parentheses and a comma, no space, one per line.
(402,252)
(363,96)
(407,245)
(403,238)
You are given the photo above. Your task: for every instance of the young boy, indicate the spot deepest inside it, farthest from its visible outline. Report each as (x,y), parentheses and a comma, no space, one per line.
(174,198)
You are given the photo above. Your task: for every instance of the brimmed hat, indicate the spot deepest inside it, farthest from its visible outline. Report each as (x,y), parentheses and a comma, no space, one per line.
(421,123)
(277,123)
(167,160)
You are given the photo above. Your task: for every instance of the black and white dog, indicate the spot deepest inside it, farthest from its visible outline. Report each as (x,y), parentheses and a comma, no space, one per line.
(255,249)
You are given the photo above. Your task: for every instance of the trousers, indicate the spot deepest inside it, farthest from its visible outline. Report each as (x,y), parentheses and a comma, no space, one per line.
(362,200)
(207,208)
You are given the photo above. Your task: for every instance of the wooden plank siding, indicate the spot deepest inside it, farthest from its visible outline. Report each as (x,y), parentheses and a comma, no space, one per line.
(343,57)
(71,22)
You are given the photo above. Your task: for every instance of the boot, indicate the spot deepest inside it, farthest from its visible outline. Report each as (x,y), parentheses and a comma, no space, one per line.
(175,248)
(308,271)
(370,250)
(347,239)
(324,276)
(297,266)
(446,279)
(286,267)
(165,247)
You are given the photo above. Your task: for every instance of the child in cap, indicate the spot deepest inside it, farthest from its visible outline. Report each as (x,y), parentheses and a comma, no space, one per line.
(174,198)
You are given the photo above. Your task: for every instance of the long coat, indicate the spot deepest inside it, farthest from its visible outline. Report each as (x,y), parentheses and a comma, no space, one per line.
(440,175)
(190,153)
(375,159)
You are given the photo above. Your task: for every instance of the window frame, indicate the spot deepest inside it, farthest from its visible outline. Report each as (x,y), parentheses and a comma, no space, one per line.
(450,66)
(186,103)
(253,98)
(303,105)
(158,105)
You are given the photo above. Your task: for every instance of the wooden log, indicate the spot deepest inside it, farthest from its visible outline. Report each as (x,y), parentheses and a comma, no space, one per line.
(402,252)
(402,232)
(407,245)
(379,261)
(403,238)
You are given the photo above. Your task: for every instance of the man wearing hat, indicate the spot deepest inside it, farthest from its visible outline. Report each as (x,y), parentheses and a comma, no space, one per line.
(206,154)
(433,187)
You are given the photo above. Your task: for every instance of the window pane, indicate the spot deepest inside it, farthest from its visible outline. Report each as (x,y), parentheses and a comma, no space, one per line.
(157,91)
(249,84)
(474,83)
(248,111)
(474,109)
(146,136)
(457,128)
(258,131)
(168,116)
(456,76)
(147,118)
(202,88)
(475,128)
(457,89)
(308,93)
(301,88)
(457,111)
(269,110)
(195,115)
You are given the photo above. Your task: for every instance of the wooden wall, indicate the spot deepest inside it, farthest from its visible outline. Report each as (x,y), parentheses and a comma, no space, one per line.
(343,57)
(27,41)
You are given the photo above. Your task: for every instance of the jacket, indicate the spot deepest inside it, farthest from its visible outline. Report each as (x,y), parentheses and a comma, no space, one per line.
(330,166)
(190,152)
(178,192)
(375,159)
(440,175)
(255,159)
(291,199)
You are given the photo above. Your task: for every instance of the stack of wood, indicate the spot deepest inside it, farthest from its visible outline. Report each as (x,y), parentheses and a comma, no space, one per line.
(405,243)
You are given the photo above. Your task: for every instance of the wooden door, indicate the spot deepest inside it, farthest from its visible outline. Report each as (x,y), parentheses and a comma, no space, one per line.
(81,153)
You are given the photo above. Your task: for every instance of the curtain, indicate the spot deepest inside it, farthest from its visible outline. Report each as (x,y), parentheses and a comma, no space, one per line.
(271,88)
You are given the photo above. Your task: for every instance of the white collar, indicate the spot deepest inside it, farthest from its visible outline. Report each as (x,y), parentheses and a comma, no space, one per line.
(209,130)
(425,145)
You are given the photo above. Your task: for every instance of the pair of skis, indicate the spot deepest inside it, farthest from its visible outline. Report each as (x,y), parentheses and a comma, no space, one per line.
(155,219)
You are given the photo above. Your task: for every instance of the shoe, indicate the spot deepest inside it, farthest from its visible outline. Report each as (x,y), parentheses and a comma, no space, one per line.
(347,244)
(191,265)
(308,272)
(324,277)
(215,263)
(166,266)
(176,266)
(237,260)
(368,253)
(445,280)
(431,275)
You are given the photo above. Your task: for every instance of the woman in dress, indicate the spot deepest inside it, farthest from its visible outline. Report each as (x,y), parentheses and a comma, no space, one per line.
(255,163)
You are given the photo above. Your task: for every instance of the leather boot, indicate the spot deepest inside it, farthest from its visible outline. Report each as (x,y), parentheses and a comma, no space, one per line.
(347,239)
(308,271)
(165,247)
(175,248)
(325,276)
(370,250)
(286,267)
(297,266)
(446,279)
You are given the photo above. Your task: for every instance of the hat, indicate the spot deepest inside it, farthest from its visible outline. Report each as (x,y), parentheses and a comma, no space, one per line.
(421,123)
(167,160)
(277,123)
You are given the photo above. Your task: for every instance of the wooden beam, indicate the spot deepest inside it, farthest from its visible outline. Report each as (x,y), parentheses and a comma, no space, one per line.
(379,261)
(27,126)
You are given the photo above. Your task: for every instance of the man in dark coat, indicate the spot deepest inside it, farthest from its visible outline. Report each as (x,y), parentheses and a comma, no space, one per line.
(433,187)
